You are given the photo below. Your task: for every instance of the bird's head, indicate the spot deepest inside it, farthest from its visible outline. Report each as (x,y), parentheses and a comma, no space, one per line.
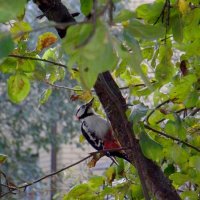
(85,110)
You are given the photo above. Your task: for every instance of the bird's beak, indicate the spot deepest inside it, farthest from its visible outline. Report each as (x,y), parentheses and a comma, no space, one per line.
(89,104)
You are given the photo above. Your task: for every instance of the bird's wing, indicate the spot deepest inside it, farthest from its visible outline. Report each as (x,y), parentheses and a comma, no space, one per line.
(90,137)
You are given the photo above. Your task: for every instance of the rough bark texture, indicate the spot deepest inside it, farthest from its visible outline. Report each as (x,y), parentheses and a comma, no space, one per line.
(115,108)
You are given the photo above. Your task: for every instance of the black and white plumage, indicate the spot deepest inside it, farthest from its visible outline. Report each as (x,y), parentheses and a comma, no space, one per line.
(98,131)
(94,128)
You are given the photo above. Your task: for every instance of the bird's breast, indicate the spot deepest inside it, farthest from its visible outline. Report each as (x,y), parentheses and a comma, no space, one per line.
(99,125)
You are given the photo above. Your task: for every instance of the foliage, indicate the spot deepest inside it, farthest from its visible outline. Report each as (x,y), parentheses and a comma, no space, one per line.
(154,53)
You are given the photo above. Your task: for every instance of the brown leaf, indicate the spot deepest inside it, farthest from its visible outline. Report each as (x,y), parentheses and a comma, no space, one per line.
(94,160)
(45,40)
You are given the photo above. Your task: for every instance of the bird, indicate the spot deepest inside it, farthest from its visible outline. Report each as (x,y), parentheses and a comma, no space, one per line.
(98,131)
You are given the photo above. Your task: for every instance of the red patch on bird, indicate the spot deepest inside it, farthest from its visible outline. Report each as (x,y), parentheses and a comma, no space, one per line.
(113,144)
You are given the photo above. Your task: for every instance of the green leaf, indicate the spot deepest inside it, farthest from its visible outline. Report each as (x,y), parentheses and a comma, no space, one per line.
(180,127)
(191,195)
(150,12)
(135,58)
(137,113)
(18,87)
(177,154)
(120,168)
(195,162)
(26,65)
(177,28)
(2,158)
(170,128)
(76,35)
(182,87)
(165,69)
(145,31)
(164,72)
(150,148)
(147,53)
(110,174)
(191,99)
(10,9)
(86,6)
(78,191)
(9,66)
(6,45)
(96,181)
(45,96)
(50,54)
(155,117)
(136,192)
(18,27)
(94,57)
(179,178)
(123,16)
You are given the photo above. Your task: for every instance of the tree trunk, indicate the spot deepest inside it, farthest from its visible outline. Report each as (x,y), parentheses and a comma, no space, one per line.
(53,181)
(115,107)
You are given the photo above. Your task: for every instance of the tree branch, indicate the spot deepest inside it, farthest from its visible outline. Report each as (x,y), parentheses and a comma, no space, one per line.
(63,87)
(24,186)
(194,112)
(158,106)
(39,59)
(171,137)
(115,108)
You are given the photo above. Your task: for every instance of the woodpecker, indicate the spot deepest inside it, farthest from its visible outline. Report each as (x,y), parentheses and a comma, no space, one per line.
(98,131)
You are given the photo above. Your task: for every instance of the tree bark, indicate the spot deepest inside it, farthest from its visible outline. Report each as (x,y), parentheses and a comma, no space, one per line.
(54,150)
(115,107)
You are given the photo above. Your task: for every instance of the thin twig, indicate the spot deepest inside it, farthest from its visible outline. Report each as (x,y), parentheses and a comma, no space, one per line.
(63,87)
(79,90)
(171,137)
(110,11)
(40,59)
(44,177)
(130,86)
(111,150)
(194,112)
(158,106)
(162,13)
(24,186)
(178,111)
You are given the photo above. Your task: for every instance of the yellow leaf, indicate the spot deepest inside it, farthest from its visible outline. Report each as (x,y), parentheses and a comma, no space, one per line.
(125,24)
(20,27)
(86,96)
(81,138)
(183,6)
(2,158)
(45,40)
